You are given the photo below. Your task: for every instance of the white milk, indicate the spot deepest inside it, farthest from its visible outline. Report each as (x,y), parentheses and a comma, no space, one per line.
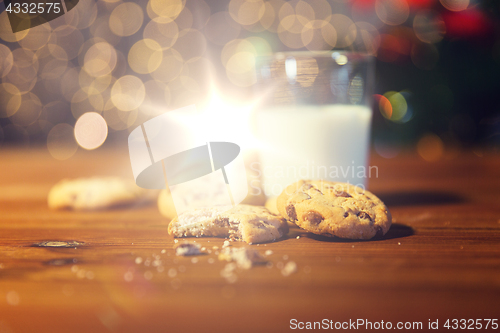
(314,142)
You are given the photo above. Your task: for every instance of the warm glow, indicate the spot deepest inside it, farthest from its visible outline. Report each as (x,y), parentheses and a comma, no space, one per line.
(91,130)
(226,120)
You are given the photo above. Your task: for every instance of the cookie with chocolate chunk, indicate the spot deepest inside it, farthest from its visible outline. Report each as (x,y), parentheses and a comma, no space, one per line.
(334,209)
(251,224)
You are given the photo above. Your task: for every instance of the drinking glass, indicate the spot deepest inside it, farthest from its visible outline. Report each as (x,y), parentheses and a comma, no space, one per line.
(315,116)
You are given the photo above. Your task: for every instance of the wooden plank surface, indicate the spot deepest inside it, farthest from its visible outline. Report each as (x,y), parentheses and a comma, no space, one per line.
(440,259)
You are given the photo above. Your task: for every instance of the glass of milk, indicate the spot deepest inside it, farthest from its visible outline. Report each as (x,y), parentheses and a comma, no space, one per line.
(315,116)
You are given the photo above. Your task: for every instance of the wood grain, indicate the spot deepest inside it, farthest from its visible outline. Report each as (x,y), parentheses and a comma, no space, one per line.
(440,259)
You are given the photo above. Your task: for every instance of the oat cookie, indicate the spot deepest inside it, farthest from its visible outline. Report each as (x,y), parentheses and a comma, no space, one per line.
(334,209)
(252,224)
(96,193)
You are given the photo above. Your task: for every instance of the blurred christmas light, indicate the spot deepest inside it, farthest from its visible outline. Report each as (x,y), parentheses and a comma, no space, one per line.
(428,26)
(97,56)
(468,23)
(6,60)
(163,31)
(221,28)
(392,12)
(29,110)
(167,8)
(10,99)
(100,59)
(455,5)
(145,56)
(61,142)
(384,105)
(128,93)
(430,147)
(126,19)
(91,130)
(398,104)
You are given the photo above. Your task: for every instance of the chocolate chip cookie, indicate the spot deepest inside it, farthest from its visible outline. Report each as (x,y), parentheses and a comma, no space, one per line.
(252,224)
(334,209)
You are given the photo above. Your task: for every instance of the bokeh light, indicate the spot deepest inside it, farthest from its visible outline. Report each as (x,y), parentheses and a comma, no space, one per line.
(128,93)
(10,99)
(430,147)
(429,27)
(221,28)
(392,12)
(129,61)
(455,5)
(163,31)
(399,106)
(61,142)
(6,60)
(145,56)
(246,12)
(91,130)
(167,8)
(6,31)
(29,110)
(100,59)
(126,19)
(384,105)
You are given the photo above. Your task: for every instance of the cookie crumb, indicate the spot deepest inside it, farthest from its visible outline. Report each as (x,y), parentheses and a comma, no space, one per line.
(203,248)
(268,252)
(290,268)
(176,241)
(163,251)
(226,244)
(353,246)
(187,249)
(245,258)
(399,243)
(138,260)
(297,237)
(215,248)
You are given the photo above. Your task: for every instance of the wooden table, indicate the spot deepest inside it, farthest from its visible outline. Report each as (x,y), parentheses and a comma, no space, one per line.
(440,259)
